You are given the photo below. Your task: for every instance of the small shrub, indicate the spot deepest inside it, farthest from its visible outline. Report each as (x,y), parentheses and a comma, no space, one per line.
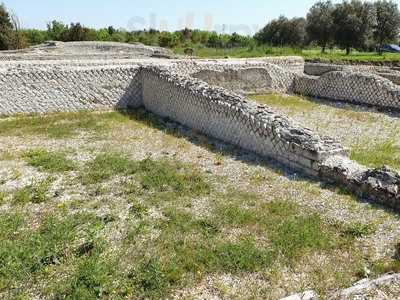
(48,161)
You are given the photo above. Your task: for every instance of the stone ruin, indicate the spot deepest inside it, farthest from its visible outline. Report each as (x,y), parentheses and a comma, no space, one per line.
(206,95)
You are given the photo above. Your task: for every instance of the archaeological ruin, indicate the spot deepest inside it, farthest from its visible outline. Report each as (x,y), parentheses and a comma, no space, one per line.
(208,96)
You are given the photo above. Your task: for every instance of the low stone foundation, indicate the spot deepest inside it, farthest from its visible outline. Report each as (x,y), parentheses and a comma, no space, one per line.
(170,89)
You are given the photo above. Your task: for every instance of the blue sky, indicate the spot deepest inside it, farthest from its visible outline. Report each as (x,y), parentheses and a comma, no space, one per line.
(244,16)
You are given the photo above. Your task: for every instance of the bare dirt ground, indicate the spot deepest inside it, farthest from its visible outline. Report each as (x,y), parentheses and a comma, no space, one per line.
(110,205)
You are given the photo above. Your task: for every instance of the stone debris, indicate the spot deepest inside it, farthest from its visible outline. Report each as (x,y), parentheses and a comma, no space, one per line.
(362,288)
(307,295)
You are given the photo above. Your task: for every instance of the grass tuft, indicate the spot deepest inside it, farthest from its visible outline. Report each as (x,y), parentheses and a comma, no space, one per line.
(107,165)
(34,193)
(48,161)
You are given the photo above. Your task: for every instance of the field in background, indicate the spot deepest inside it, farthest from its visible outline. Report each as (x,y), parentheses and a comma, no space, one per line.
(308,54)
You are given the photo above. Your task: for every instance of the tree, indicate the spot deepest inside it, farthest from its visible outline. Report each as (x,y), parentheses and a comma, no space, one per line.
(283,32)
(6,28)
(320,24)
(111,30)
(77,32)
(353,22)
(35,36)
(387,26)
(17,38)
(56,30)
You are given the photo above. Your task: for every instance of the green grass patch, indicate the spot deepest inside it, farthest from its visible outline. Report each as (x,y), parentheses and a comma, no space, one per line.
(386,153)
(286,102)
(27,254)
(188,247)
(107,165)
(48,161)
(61,125)
(308,54)
(358,230)
(33,193)
(156,176)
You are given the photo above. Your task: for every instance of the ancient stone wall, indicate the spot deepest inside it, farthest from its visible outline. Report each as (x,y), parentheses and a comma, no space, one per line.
(270,78)
(40,91)
(354,87)
(167,89)
(231,118)
(318,69)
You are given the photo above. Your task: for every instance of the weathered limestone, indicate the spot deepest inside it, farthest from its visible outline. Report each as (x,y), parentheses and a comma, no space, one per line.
(380,185)
(270,78)
(318,69)
(41,91)
(229,117)
(354,87)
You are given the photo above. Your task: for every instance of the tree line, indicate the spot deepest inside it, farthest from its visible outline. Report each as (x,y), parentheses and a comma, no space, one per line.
(351,24)
(348,25)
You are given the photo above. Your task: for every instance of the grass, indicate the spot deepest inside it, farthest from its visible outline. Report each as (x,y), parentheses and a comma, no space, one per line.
(153,176)
(27,254)
(167,226)
(33,193)
(61,125)
(48,161)
(105,166)
(386,153)
(188,248)
(285,102)
(308,54)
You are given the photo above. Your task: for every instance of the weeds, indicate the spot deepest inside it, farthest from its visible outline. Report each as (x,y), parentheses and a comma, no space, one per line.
(34,193)
(48,161)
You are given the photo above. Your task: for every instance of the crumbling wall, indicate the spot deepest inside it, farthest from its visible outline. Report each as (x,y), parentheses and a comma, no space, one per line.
(250,79)
(354,87)
(318,69)
(227,116)
(41,91)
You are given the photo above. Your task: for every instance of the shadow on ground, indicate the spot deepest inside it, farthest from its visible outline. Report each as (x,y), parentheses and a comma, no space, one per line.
(216,146)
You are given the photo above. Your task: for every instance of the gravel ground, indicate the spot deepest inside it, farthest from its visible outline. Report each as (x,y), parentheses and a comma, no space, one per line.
(227,164)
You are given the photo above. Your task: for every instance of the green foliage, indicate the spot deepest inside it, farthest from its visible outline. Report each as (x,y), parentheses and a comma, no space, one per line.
(283,32)
(387,26)
(33,193)
(35,36)
(320,24)
(56,30)
(104,166)
(164,176)
(48,161)
(154,176)
(28,253)
(358,230)
(6,28)
(353,23)
(89,278)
